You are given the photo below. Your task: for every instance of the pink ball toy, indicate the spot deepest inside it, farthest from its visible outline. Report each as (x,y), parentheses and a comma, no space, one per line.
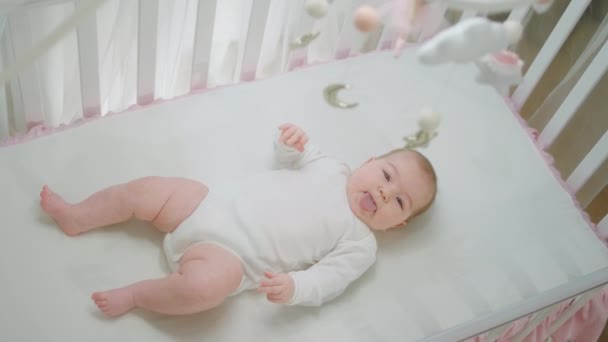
(366,18)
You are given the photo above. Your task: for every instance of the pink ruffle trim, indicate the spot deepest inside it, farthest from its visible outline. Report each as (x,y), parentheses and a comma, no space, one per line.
(533,133)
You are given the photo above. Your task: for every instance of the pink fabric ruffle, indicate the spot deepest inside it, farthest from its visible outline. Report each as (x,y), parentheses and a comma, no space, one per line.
(586,325)
(550,161)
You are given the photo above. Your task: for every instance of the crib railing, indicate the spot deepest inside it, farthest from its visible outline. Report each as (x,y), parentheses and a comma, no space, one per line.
(274,36)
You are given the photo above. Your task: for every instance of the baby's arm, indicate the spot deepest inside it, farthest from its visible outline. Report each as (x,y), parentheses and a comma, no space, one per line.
(329,277)
(291,150)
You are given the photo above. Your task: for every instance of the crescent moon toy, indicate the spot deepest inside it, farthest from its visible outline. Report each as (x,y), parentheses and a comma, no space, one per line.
(331,96)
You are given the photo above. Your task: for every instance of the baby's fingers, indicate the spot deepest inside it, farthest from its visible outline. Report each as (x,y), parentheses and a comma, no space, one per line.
(288,133)
(270,274)
(276,290)
(295,138)
(278,299)
(285,126)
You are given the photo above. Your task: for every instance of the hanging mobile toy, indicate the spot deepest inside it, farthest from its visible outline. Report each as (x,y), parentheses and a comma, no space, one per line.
(402,14)
(500,70)
(317,8)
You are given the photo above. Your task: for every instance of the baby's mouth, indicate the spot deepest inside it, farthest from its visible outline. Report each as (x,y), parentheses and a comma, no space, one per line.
(367,203)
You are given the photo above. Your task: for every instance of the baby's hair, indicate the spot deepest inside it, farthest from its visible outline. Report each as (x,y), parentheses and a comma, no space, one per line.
(427,169)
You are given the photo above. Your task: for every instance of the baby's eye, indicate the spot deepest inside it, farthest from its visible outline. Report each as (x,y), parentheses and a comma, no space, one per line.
(400,202)
(387,176)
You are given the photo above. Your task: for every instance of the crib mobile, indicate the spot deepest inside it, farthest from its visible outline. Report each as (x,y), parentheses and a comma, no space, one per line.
(477,40)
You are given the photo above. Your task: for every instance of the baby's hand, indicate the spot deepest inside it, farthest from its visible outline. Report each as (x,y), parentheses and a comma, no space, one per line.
(278,288)
(293,136)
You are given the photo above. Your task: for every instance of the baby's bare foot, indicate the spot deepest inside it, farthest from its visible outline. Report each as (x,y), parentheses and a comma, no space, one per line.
(59,210)
(114,302)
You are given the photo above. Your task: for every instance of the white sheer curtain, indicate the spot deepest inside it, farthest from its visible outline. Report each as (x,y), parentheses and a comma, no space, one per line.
(589,123)
(542,115)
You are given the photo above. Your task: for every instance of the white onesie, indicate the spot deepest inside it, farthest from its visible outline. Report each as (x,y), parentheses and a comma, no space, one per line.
(295,219)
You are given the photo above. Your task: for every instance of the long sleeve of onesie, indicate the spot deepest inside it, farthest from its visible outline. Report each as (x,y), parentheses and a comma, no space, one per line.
(286,157)
(329,277)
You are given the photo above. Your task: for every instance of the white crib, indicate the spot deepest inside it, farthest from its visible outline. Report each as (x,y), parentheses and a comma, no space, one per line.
(211,44)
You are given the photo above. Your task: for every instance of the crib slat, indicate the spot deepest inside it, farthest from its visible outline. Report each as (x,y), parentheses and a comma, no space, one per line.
(519,14)
(303,25)
(28,77)
(386,39)
(3,114)
(88,58)
(4,130)
(571,310)
(468,14)
(551,47)
(534,322)
(428,30)
(18,112)
(577,96)
(146,50)
(205,20)
(496,333)
(592,161)
(603,225)
(255,36)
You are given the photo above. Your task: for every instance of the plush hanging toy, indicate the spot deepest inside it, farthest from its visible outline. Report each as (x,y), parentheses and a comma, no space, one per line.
(465,42)
(367,19)
(404,16)
(501,70)
(316,8)
(469,40)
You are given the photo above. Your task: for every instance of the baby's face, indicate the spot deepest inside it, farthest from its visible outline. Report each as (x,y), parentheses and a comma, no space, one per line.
(384,193)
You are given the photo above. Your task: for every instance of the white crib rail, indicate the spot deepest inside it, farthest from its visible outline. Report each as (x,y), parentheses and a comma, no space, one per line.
(202,43)
(4,131)
(14,86)
(4,122)
(587,168)
(550,49)
(519,14)
(253,42)
(28,77)
(146,50)
(88,57)
(603,225)
(576,97)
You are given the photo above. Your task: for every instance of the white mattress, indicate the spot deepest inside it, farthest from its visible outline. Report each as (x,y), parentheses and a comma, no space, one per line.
(501,231)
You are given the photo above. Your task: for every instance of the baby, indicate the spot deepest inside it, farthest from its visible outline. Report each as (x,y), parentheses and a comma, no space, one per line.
(299,234)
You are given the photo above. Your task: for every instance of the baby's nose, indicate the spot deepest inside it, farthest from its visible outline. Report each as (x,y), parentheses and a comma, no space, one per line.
(385,194)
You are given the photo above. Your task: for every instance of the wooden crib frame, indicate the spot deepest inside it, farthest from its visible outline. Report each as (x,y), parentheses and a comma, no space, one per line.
(19,77)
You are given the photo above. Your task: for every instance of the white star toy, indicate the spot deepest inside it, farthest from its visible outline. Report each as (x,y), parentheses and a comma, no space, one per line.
(501,70)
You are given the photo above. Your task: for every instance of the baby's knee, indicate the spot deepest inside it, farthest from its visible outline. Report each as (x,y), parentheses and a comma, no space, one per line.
(197,292)
(142,185)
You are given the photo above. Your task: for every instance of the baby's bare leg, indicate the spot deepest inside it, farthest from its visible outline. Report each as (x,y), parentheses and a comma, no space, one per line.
(165,202)
(207,275)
